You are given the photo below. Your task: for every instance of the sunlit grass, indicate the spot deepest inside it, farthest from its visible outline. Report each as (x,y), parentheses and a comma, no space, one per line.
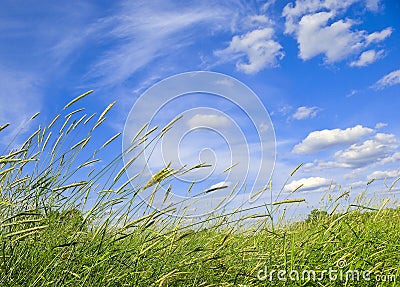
(67,220)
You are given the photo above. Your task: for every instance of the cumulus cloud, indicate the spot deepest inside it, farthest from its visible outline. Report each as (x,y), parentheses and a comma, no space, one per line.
(305,113)
(208,120)
(292,13)
(320,140)
(318,29)
(258,46)
(384,174)
(370,151)
(335,41)
(388,80)
(367,58)
(395,157)
(378,150)
(377,37)
(307,184)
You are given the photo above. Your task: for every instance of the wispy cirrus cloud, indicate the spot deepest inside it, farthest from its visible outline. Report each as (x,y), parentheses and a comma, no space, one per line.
(391,79)
(142,31)
(35,44)
(52,34)
(19,100)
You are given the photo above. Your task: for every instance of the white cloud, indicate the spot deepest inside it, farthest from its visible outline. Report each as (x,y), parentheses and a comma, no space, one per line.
(358,184)
(226,82)
(378,150)
(309,183)
(388,80)
(258,19)
(267,4)
(208,120)
(320,165)
(305,113)
(335,41)
(19,100)
(352,93)
(292,13)
(282,111)
(142,31)
(384,174)
(380,125)
(377,37)
(370,151)
(32,50)
(264,127)
(367,58)
(258,46)
(52,35)
(308,166)
(320,140)
(318,29)
(373,5)
(391,159)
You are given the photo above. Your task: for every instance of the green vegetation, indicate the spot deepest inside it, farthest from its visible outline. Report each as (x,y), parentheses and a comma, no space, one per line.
(64,223)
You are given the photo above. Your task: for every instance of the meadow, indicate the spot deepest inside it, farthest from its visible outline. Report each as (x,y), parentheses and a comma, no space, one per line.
(70,219)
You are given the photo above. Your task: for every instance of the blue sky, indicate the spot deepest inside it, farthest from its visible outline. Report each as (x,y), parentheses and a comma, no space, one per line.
(328,72)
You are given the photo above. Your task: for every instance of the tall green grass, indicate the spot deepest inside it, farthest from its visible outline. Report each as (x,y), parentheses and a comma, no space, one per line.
(70,219)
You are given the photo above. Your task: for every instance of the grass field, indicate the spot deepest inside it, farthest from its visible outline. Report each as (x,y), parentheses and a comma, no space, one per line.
(66,223)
